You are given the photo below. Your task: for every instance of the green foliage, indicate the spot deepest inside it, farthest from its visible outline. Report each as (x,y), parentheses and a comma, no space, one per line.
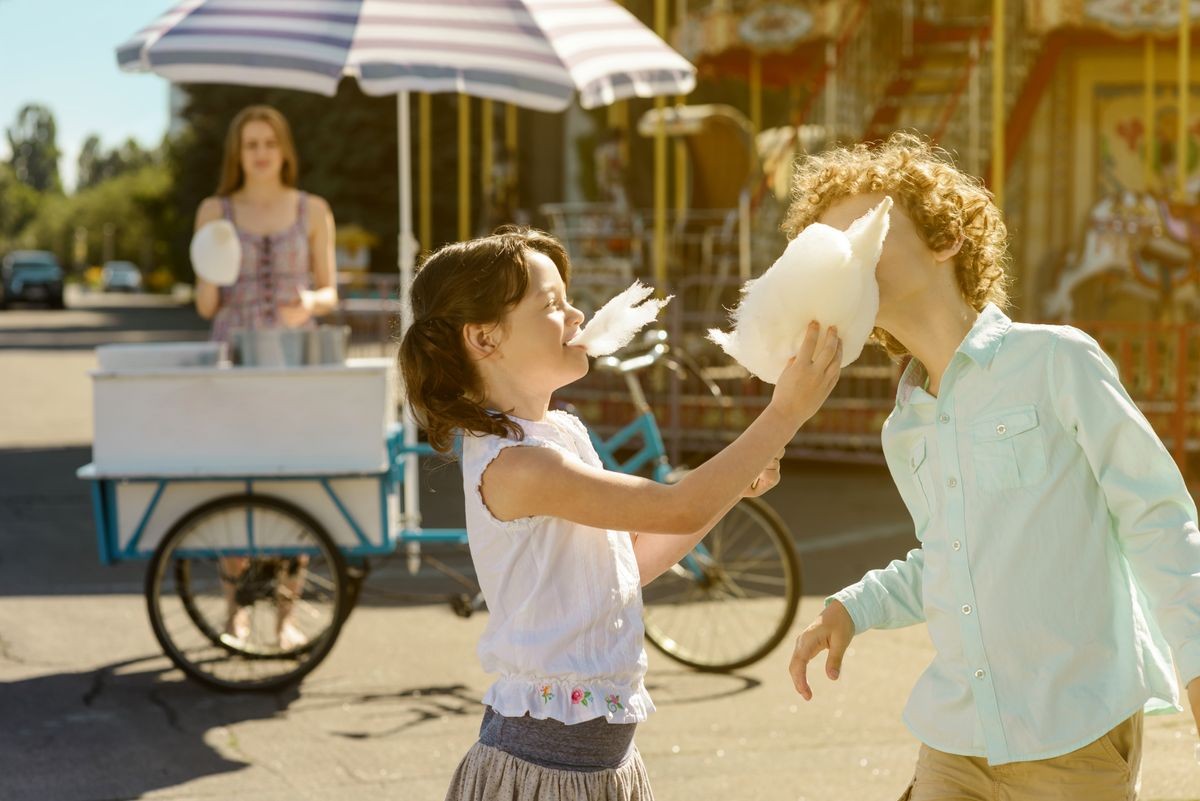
(96,166)
(133,206)
(32,142)
(18,206)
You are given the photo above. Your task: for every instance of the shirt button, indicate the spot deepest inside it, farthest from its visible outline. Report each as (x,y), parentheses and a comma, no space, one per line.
(952,483)
(956,545)
(966,609)
(945,418)
(979,674)
(1001,429)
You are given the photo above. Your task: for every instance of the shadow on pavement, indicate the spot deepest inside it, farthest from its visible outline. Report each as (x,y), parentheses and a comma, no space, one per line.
(120,731)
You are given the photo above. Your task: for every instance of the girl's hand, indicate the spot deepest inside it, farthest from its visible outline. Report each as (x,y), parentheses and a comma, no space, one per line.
(766,480)
(810,375)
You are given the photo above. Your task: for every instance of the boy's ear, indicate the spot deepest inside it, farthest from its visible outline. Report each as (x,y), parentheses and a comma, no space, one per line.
(480,340)
(945,254)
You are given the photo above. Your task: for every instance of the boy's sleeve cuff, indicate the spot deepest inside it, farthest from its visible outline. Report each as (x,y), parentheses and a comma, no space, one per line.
(858,607)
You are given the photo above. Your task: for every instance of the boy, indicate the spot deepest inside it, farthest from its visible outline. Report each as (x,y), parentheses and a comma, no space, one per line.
(1059,565)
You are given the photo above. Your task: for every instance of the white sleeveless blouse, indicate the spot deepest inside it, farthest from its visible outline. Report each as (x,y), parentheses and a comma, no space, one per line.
(564,632)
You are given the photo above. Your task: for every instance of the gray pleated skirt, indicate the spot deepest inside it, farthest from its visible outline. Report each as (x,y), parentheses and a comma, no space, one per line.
(524,759)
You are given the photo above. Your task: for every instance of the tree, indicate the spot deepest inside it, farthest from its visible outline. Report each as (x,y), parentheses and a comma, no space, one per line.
(87,167)
(95,166)
(135,205)
(35,153)
(19,204)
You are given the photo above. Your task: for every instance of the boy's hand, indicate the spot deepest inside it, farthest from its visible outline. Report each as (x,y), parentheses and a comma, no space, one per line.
(833,629)
(766,480)
(810,375)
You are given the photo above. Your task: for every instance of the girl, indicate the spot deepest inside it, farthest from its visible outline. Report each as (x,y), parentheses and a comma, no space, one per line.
(562,546)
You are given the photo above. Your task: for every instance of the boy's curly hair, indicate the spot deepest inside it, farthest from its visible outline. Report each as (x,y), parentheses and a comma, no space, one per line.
(943,202)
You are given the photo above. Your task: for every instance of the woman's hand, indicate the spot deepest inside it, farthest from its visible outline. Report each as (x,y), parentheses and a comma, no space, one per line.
(766,480)
(810,375)
(296,314)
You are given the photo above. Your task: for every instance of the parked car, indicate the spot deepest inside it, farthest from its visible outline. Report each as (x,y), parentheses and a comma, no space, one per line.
(31,276)
(120,276)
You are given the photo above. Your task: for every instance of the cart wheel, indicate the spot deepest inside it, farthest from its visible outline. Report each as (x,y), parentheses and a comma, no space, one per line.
(226,575)
(733,598)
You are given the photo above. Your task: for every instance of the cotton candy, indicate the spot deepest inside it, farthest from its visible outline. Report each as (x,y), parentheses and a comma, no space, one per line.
(614,325)
(216,253)
(825,275)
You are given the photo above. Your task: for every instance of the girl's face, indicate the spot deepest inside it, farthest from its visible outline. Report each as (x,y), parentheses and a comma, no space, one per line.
(262,157)
(534,335)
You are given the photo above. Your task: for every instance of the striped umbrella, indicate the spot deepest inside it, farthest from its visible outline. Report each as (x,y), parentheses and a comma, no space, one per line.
(533,53)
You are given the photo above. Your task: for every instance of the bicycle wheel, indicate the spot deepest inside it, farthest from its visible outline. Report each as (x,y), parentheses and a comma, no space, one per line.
(733,598)
(247,592)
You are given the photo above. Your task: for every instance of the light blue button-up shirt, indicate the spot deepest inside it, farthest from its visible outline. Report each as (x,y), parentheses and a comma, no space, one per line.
(1059,549)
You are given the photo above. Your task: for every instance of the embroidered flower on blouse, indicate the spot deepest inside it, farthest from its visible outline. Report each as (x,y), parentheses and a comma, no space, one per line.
(581,696)
(547,696)
(614,703)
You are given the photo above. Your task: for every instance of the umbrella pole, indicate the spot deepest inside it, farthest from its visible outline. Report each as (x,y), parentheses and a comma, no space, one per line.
(412,491)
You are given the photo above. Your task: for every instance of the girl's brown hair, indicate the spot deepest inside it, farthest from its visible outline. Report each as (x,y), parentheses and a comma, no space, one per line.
(944,203)
(232,174)
(478,281)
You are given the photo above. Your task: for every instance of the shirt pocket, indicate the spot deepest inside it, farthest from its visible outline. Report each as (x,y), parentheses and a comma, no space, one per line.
(1009,450)
(920,486)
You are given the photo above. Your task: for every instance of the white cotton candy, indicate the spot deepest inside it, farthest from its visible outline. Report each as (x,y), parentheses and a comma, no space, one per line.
(825,275)
(216,253)
(615,324)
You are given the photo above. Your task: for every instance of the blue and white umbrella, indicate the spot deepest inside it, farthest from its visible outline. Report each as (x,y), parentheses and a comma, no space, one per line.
(537,54)
(534,53)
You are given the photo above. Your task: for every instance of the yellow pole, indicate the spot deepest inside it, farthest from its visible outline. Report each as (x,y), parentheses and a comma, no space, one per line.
(1181,150)
(510,147)
(681,156)
(1148,70)
(660,167)
(756,92)
(681,172)
(424,171)
(464,167)
(488,154)
(998,120)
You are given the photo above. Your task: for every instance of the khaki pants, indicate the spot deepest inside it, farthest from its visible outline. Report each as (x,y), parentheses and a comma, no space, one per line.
(1105,770)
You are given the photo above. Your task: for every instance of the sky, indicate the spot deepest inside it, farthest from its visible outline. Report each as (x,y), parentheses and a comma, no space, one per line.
(61,54)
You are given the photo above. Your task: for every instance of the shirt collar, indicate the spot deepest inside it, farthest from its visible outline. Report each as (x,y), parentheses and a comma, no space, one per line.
(985,336)
(981,344)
